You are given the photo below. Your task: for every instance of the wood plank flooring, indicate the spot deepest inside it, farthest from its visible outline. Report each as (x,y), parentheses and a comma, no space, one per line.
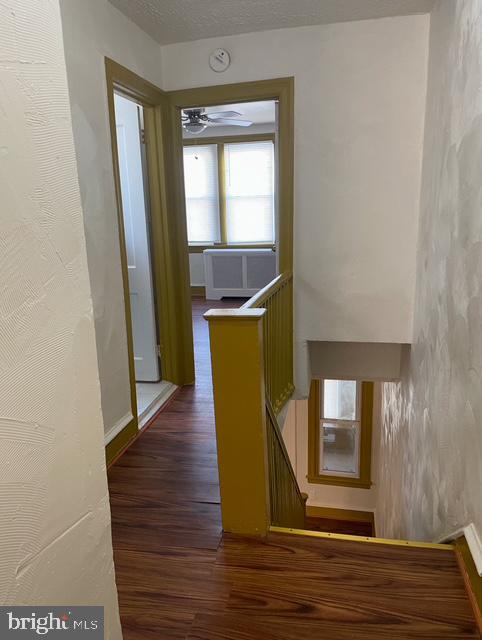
(166,519)
(178,577)
(339,526)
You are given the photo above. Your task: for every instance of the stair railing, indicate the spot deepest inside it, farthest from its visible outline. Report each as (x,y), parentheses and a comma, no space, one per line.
(277,299)
(252,369)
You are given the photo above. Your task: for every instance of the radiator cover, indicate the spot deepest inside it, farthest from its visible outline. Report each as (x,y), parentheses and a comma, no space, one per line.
(237,272)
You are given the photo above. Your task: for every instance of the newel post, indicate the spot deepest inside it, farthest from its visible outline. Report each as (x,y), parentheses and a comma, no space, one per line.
(236,337)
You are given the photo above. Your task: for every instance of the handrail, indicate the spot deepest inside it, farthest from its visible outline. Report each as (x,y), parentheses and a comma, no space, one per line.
(259,298)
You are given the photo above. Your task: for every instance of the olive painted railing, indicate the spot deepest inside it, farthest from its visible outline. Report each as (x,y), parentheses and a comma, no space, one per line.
(277,299)
(252,368)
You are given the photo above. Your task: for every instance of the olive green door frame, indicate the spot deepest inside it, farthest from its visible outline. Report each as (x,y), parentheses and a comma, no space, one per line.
(280,89)
(168,237)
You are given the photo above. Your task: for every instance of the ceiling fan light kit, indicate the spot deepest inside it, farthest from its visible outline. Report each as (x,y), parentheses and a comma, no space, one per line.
(195,127)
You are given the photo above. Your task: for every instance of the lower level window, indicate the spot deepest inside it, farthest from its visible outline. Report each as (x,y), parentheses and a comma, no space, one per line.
(340,426)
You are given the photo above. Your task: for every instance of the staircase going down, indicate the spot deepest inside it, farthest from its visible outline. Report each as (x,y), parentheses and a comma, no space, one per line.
(296,587)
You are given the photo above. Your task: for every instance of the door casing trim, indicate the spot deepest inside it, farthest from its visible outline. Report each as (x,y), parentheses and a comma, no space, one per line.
(280,89)
(168,238)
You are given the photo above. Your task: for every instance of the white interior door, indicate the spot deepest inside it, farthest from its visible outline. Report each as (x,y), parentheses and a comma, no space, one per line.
(137,240)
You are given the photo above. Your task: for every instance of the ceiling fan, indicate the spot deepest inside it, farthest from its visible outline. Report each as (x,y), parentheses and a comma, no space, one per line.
(196,120)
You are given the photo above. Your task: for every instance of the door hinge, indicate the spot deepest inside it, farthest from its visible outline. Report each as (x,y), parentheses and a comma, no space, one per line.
(158,350)
(143,136)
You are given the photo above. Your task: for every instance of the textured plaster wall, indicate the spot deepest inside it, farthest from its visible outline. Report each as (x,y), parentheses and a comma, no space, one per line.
(431,448)
(55,546)
(359,109)
(94,29)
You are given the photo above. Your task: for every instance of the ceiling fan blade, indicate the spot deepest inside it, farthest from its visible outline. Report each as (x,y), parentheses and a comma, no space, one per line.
(223,114)
(231,121)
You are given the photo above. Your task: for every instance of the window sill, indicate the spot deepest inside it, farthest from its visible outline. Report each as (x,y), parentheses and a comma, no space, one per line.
(339,481)
(199,248)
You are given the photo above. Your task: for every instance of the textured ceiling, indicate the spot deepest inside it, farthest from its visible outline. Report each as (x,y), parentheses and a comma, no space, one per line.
(169,21)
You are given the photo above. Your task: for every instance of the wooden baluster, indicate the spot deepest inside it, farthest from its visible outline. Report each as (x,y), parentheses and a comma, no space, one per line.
(279,348)
(267,349)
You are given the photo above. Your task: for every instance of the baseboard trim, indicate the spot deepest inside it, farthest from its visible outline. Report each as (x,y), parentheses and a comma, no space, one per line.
(198,290)
(116,452)
(344,536)
(472,579)
(168,389)
(475,546)
(117,428)
(473,542)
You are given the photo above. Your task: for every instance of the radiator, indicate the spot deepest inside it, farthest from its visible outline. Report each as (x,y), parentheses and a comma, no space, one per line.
(237,272)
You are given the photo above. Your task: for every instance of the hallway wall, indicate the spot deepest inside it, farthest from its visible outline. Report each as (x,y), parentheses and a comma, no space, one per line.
(359,109)
(431,481)
(92,30)
(55,547)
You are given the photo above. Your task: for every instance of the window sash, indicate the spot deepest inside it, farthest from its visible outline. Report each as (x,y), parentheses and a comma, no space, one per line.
(202,194)
(249,191)
(342,422)
(237,214)
(357,449)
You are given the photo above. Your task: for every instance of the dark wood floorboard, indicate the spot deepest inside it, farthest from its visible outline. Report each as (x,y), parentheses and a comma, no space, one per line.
(166,520)
(296,588)
(178,579)
(331,525)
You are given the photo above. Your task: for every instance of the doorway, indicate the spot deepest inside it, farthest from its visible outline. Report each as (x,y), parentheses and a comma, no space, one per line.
(157,304)
(151,389)
(170,267)
(239,207)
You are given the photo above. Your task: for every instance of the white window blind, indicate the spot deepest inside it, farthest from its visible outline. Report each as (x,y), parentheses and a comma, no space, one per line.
(249,168)
(202,195)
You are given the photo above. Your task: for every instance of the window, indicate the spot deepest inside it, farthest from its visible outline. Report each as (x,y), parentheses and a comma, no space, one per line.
(340,426)
(202,194)
(230,192)
(249,179)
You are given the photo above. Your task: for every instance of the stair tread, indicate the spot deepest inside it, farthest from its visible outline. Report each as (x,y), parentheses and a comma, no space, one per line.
(292,587)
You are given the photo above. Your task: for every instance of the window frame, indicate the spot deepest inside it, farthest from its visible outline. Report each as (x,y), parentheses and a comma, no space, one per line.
(366,427)
(220,142)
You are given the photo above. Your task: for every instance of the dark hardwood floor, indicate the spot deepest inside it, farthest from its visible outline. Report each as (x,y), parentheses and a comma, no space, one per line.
(333,525)
(166,520)
(178,577)
(300,588)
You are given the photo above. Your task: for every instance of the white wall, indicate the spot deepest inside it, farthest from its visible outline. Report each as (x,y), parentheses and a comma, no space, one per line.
(359,106)
(196,269)
(432,430)
(295,435)
(94,29)
(55,546)
(356,360)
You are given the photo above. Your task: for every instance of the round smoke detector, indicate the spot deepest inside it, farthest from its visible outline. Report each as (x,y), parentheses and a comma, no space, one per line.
(219,60)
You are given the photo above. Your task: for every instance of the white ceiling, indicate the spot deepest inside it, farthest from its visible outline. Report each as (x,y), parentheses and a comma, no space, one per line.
(169,21)
(262,112)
